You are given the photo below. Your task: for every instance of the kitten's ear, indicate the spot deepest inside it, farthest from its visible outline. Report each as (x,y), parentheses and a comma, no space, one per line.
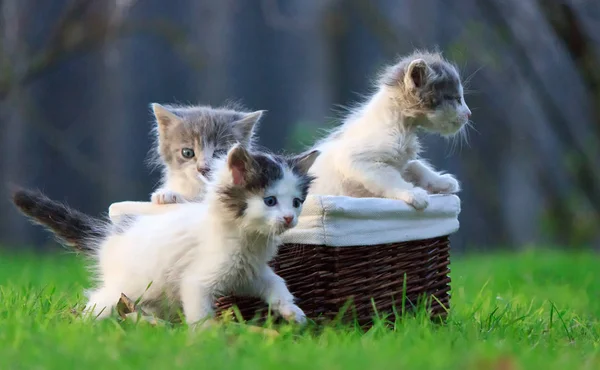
(239,162)
(303,162)
(164,117)
(245,126)
(416,74)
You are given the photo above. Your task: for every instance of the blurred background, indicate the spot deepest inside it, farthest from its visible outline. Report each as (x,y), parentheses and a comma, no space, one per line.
(77,77)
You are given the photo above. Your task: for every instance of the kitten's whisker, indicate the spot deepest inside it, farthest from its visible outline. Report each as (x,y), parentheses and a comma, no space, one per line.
(452,148)
(460,139)
(470,77)
(471,125)
(465,135)
(471,92)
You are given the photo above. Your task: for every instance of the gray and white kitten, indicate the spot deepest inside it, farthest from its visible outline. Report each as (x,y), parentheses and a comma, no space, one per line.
(202,250)
(375,152)
(188,139)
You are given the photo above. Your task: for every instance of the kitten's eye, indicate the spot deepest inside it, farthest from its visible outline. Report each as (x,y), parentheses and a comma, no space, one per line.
(270,201)
(187,153)
(297,203)
(453,98)
(219,153)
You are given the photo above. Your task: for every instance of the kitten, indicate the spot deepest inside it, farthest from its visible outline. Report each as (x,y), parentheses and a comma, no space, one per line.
(374,153)
(201,250)
(188,139)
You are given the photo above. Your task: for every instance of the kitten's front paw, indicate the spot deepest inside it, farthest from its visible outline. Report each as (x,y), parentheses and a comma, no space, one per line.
(444,184)
(420,199)
(166,197)
(291,312)
(417,198)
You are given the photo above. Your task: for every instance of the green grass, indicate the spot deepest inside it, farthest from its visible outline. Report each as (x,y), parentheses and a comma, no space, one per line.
(509,311)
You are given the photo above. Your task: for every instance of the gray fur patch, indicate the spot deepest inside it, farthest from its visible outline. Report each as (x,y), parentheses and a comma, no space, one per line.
(200,127)
(441,85)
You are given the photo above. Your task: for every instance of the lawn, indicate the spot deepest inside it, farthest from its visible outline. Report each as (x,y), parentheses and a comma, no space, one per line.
(509,311)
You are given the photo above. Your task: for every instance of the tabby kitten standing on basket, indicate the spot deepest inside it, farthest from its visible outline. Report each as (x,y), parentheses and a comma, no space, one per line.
(375,152)
(188,138)
(201,250)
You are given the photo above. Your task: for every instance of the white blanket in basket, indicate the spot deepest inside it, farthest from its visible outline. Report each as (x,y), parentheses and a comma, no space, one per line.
(340,221)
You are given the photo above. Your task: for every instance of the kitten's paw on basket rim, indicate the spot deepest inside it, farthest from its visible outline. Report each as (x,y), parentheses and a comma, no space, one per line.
(444,184)
(417,198)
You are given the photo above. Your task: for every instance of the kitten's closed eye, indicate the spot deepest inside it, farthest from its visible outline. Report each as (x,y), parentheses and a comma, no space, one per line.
(187,153)
(458,99)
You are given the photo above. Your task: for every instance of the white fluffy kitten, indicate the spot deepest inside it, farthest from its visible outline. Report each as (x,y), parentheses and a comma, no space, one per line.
(188,139)
(202,250)
(374,153)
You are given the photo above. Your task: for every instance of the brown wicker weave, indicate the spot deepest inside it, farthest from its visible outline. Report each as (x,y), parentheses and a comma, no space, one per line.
(324,278)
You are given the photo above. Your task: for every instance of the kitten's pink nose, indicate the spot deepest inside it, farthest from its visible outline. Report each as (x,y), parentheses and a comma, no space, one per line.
(288,220)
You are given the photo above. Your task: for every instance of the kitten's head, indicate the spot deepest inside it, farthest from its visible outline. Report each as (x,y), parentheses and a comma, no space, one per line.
(190,138)
(428,88)
(264,192)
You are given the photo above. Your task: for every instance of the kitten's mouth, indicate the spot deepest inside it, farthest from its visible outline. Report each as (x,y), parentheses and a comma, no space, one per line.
(451,131)
(280,228)
(285,226)
(451,128)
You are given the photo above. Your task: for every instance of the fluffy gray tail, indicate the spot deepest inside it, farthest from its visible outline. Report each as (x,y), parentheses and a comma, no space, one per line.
(71,227)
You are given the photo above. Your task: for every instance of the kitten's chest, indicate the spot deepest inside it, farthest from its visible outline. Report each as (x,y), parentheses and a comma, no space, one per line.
(410,148)
(403,150)
(241,268)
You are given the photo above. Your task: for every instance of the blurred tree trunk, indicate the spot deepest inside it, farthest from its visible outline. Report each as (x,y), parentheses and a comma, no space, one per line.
(110,114)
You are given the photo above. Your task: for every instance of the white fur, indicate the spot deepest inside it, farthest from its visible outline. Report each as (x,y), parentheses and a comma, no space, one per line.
(199,251)
(180,187)
(374,153)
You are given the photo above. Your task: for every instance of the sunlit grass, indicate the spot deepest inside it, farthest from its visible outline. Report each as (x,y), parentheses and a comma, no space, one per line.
(528,310)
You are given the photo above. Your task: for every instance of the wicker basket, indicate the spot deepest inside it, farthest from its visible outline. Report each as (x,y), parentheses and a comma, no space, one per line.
(353,258)
(324,279)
